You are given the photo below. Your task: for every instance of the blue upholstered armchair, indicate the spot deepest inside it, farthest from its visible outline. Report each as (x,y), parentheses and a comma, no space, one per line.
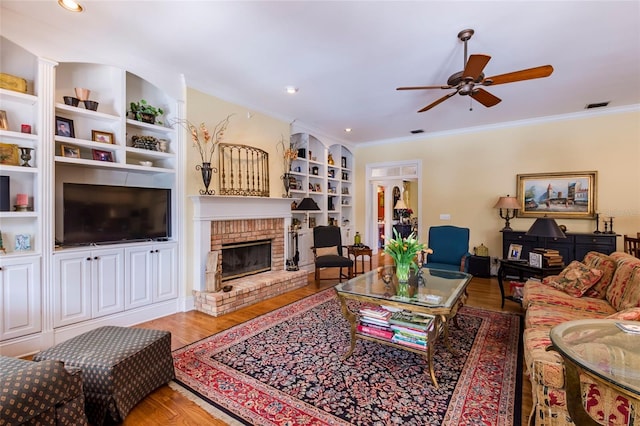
(450,246)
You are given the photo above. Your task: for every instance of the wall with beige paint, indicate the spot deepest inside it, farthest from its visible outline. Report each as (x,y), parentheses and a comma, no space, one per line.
(464,174)
(246,127)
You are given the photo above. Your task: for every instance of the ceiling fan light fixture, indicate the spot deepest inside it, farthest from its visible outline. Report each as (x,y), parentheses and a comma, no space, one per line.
(70,5)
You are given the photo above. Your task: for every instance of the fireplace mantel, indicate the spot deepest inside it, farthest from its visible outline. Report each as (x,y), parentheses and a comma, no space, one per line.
(207,209)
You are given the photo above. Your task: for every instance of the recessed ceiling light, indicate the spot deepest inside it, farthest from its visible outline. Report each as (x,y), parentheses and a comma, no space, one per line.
(291,90)
(348,130)
(70,5)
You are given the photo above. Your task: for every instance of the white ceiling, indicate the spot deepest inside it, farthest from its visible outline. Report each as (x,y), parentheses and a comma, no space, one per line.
(347,58)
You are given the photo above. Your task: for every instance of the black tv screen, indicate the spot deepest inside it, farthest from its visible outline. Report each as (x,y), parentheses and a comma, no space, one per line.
(104,213)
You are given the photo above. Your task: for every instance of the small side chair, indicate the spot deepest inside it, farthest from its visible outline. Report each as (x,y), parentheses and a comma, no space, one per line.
(328,252)
(450,246)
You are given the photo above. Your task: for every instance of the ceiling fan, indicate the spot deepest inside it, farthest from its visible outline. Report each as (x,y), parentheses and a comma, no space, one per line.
(467,82)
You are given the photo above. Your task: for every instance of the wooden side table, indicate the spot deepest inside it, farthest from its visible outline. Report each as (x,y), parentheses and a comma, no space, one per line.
(360,251)
(524,270)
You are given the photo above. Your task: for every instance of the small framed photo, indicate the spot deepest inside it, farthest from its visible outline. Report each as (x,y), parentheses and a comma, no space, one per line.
(344,162)
(69,151)
(312,222)
(104,137)
(23,242)
(535,260)
(514,252)
(102,155)
(9,154)
(4,124)
(64,127)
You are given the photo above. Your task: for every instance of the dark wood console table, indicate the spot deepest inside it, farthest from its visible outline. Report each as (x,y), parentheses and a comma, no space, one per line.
(574,247)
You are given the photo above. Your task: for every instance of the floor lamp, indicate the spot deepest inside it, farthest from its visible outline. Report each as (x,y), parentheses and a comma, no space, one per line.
(306,205)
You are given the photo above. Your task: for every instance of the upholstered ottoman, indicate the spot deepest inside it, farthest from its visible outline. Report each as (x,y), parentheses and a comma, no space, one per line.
(120,366)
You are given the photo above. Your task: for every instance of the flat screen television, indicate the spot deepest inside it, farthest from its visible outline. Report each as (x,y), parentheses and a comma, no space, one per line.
(95,214)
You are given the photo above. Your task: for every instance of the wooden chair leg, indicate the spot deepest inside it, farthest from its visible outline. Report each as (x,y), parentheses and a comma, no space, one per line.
(317,277)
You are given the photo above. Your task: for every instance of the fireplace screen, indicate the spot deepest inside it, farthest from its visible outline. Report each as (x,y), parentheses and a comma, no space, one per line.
(248,258)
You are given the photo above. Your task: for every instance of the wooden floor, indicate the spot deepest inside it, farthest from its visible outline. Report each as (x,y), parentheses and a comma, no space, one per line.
(168,407)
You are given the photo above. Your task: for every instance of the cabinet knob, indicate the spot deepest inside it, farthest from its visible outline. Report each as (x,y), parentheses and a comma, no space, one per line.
(150,251)
(519,237)
(95,258)
(157,250)
(88,258)
(594,240)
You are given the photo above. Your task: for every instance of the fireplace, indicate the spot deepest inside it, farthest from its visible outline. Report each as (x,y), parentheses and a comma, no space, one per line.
(246,258)
(221,222)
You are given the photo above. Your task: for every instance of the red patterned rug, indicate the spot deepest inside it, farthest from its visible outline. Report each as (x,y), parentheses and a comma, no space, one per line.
(285,368)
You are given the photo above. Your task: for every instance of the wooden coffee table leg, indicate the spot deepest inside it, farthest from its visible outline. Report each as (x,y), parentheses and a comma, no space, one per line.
(433,336)
(353,320)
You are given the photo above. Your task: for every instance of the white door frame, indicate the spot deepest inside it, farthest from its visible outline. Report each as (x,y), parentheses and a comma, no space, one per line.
(387,174)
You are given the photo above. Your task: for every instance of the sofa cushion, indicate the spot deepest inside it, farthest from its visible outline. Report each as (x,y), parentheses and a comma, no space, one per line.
(607,265)
(624,291)
(632,314)
(575,279)
(327,251)
(537,293)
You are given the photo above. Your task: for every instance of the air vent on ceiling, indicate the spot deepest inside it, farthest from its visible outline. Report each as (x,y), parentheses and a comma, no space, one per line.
(415,132)
(597,105)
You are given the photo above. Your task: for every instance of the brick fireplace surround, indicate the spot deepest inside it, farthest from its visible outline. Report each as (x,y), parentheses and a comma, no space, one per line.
(222,220)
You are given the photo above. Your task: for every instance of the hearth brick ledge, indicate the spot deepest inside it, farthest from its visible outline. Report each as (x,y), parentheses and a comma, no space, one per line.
(249,290)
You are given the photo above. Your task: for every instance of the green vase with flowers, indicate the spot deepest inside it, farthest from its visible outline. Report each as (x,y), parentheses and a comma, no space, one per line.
(404,252)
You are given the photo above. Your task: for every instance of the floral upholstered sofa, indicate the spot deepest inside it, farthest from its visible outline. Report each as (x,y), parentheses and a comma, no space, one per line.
(40,393)
(601,286)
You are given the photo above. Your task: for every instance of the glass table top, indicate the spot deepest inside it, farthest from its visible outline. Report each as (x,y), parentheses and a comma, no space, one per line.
(601,347)
(438,288)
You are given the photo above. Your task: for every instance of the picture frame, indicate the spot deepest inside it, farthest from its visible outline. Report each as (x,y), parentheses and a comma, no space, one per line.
(343,162)
(4,124)
(69,151)
(514,252)
(64,127)
(23,242)
(9,154)
(100,155)
(312,222)
(103,137)
(535,260)
(562,195)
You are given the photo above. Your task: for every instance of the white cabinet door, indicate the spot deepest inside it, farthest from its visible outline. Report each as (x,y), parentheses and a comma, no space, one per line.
(305,242)
(107,278)
(20,297)
(166,279)
(139,276)
(72,288)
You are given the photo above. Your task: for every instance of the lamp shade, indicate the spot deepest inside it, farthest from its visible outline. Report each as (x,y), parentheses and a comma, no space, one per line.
(545,227)
(507,203)
(400,205)
(308,204)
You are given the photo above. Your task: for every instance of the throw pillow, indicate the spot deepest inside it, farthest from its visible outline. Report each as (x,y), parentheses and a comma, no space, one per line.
(576,279)
(627,314)
(327,251)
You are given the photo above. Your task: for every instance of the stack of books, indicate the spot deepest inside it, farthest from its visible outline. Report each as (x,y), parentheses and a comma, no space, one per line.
(374,321)
(550,257)
(411,329)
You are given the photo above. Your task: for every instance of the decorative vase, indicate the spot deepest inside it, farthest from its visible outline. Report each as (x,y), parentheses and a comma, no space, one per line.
(285,182)
(402,273)
(207,171)
(25,155)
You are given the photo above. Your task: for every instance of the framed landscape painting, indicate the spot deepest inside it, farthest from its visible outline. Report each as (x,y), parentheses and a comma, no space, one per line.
(568,195)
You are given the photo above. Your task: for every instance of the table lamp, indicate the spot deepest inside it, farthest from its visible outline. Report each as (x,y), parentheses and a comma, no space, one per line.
(545,227)
(307,204)
(510,205)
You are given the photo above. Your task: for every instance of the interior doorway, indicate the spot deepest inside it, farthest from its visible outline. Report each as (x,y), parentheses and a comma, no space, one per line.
(386,184)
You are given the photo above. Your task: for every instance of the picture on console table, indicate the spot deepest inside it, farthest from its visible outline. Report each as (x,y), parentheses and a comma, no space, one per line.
(568,195)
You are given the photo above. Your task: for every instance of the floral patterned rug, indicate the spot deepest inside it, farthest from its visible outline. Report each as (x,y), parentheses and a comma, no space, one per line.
(286,368)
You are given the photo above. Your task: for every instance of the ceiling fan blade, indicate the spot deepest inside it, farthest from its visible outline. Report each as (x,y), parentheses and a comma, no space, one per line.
(486,98)
(474,67)
(511,77)
(423,87)
(439,101)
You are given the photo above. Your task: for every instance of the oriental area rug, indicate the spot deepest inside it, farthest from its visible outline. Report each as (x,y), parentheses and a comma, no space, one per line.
(286,368)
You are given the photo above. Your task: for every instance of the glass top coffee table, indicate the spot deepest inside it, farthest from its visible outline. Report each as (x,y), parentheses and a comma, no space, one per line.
(602,350)
(437,295)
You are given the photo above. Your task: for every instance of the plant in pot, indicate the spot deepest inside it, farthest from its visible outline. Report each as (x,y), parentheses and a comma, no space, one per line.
(145,112)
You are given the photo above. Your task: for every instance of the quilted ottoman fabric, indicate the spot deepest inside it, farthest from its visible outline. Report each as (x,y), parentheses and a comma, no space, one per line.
(120,366)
